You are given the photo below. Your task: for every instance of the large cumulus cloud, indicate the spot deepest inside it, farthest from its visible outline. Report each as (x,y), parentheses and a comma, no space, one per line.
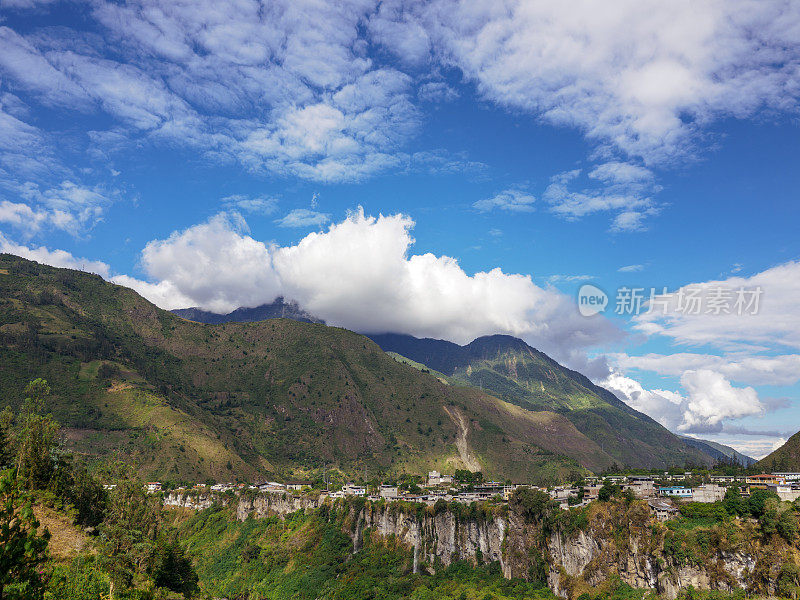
(360,274)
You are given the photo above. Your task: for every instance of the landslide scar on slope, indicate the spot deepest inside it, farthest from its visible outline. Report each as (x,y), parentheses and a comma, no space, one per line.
(462,424)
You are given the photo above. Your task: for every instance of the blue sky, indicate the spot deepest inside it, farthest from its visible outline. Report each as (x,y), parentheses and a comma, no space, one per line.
(380,162)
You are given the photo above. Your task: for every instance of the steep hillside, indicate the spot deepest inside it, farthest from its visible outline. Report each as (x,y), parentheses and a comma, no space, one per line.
(786,458)
(513,371)
(243,400)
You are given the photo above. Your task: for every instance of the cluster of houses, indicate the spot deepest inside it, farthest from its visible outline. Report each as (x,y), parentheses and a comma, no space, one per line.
(647,487)
(438,487)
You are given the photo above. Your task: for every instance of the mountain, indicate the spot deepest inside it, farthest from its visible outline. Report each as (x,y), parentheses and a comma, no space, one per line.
(784,459)
(190,401)
(511,370)
(278,309)
(719,452)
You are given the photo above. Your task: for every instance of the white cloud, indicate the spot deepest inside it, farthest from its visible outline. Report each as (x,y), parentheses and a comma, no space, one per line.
(54,258)
(213,265)
(639,78)
(624,192)
(631,268)
(711,398)
(708,402)
(264,205)
(285,88)
(616,172)
(750,369)
(163,294)
(511,200)
(21,216)
(359,274)
(303,217)
(776,323)
(436,91)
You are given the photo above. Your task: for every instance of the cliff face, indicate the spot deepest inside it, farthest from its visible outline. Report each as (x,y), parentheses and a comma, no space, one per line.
(614,541)
(270,504)
(570,562)
(437,539)
(582,559)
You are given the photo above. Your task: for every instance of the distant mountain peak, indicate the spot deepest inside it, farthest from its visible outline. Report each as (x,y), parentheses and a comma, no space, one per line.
(277,309)
(493,345)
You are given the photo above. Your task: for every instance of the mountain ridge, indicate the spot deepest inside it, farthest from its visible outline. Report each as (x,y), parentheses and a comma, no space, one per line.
(512,370)
(190,401)
(277,309)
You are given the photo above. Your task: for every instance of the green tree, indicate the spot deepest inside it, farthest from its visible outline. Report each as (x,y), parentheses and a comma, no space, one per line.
(757,502)
(7,449)
(22,549)
(787,526)
(788,581)
(608,490)
(39,437)
(88,497)
(129,533)
(733,501)
(172,569)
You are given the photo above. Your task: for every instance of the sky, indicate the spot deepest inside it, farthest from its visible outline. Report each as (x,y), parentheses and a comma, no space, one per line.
(444,169)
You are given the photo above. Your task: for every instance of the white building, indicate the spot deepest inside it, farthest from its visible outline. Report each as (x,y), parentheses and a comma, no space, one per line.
(709,492)
(786,492)
(153,487)
(271,486)
(435,478)
(642,487)
(354,490)
(389,492)
(675,491)
(296,486)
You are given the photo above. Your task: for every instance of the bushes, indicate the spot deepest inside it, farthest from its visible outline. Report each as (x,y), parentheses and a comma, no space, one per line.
(713,511)
(82,580)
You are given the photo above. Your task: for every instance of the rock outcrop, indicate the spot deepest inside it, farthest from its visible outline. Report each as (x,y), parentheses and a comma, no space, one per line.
(570,561)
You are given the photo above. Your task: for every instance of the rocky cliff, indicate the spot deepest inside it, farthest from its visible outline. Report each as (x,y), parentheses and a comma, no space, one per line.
(572,552)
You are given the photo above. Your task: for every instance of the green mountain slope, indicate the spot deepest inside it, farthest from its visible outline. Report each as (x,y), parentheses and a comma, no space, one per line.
(784,459)
(244,400)
(513,371)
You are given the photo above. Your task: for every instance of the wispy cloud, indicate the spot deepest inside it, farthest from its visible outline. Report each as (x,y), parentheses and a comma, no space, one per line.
(264,205)
(303,217)
(631,268)
(513,200)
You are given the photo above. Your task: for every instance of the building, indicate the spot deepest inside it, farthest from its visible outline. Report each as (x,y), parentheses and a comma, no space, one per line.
(153,487)
(590,492)
(390,492)
(675,491)
(709,492)
(786,492)
(662,509)
(221,487)
(723,478)
(354,490)
(788,476)
(642,487)
(435,478)
(297,486)
(271,486)
(765,479)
